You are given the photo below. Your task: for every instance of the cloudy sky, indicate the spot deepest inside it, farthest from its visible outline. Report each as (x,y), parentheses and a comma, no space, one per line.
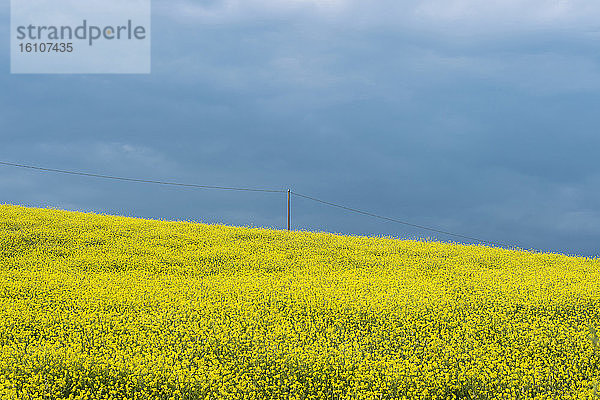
(473,116)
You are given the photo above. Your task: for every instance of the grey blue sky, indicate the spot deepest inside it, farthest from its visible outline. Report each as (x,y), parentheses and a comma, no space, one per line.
(474,116)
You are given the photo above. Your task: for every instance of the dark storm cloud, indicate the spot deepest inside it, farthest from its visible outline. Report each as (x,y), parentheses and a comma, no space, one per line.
(479,120)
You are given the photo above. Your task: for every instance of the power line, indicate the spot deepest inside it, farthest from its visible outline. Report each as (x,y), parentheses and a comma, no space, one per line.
(191,185)
(396,220)
(119,178)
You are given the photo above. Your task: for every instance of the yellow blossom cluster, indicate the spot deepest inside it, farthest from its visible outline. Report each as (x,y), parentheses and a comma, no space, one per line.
(101,307)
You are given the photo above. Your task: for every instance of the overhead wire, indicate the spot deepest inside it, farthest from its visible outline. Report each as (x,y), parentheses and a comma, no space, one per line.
(253,189)
(156,182)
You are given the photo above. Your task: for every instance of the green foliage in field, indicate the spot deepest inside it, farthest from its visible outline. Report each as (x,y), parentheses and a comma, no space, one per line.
(98,307)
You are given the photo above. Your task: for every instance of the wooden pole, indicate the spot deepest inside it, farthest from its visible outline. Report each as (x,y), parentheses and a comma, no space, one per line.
(288,208)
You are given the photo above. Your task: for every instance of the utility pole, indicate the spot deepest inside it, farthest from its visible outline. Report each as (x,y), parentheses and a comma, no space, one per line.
(289,193)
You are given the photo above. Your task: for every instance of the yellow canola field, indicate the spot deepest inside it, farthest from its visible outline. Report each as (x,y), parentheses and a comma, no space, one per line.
(100,307)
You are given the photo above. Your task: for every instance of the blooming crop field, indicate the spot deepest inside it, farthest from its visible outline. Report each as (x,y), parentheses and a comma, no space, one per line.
(100,307)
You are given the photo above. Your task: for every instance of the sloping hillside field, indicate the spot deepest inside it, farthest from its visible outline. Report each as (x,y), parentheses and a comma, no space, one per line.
(107,307)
